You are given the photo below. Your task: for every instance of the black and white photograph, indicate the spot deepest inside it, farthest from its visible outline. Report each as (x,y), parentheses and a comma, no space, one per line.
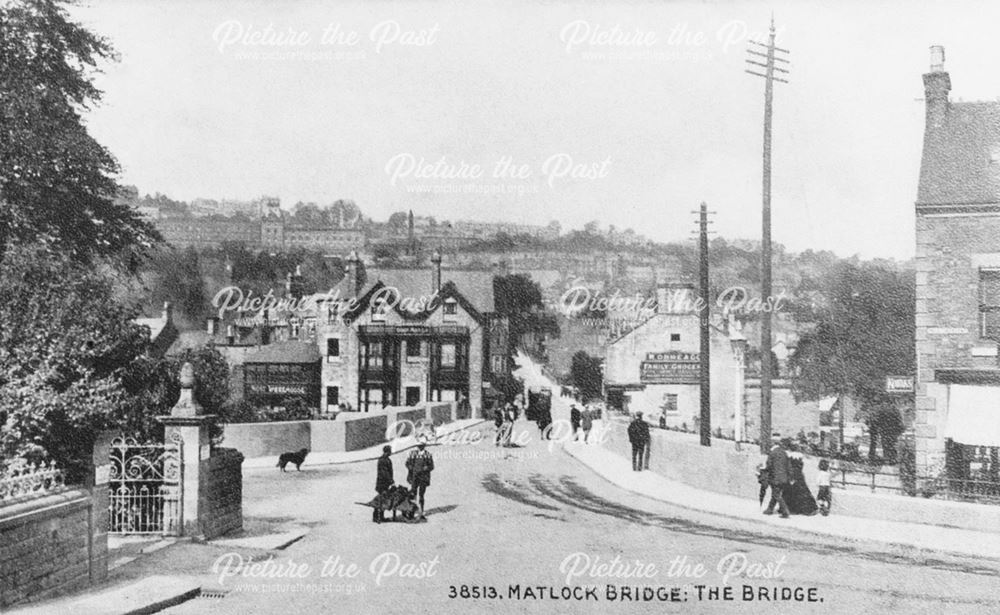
(511,306)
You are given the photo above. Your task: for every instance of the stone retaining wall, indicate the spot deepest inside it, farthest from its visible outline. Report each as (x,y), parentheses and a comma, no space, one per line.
(722,468)
(350,431)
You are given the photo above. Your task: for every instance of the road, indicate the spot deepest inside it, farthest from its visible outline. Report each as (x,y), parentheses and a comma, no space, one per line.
(529,517)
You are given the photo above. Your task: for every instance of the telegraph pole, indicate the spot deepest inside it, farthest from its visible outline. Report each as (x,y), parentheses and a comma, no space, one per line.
(705,377)
(769,53)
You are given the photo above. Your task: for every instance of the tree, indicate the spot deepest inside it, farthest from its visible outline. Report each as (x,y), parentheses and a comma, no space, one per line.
(180,281)
(57,184)
(865,334)
(65,345)
(519,298)
(585,373)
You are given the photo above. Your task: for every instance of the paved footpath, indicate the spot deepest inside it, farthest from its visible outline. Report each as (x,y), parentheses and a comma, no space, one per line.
(506,519)
(618,470)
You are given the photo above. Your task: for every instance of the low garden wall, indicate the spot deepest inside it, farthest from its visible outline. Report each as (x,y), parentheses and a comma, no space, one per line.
(722,468)
(52,544)
(350,431)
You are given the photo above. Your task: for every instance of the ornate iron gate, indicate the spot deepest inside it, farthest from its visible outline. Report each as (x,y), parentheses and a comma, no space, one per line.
(145,487)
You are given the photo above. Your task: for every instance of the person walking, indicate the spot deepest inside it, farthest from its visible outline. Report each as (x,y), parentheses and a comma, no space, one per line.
(586,423)
(420,464)
(823,498)
(509,416)
(498,421)
(638,437)
(574,419)
(779,474)
(383,480)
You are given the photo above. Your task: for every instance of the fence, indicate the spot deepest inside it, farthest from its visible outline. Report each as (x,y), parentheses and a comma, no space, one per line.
(953,489)
(24,480)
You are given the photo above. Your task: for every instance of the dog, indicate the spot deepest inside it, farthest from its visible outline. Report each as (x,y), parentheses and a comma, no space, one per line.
(297,458)
(397,499)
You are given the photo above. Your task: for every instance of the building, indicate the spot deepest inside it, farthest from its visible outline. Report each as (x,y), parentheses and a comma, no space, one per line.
(272,230)
(400,337)
(655,368)
(162,331)
(278,373)
(957,422)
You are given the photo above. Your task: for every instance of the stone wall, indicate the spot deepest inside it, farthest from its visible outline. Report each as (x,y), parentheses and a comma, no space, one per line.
(221,493)
(350,431)
(364,433)
(52,544)
(262,439)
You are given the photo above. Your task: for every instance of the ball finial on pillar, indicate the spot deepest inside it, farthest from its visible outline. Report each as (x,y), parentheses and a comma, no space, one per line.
(187,376)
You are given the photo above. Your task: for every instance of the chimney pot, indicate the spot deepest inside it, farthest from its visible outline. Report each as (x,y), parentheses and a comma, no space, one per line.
(937,59)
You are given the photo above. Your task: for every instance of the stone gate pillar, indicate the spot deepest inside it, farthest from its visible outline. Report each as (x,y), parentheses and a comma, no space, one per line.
(187,421)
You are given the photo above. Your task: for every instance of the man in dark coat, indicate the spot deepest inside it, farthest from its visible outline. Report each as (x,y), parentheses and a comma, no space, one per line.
(779,473)
(383,479)
(574,419)
(420,465)
(638,437)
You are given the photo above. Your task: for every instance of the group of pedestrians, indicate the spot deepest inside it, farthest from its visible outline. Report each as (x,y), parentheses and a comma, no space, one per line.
(783,473)
(419,465)
(504,417)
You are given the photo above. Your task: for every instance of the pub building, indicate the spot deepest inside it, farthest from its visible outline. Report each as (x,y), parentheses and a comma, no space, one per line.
(655,367)
(280,372)
(957,419)
(405,336)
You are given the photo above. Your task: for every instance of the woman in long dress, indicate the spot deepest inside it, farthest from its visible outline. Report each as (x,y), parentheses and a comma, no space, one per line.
(799,498)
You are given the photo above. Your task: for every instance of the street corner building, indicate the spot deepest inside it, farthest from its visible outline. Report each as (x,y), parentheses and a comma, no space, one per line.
(654,367)
(957,422)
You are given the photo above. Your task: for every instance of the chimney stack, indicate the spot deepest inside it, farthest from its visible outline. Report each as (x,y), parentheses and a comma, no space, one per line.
(230,335)
(168,312)
(937,85)
(436,272)
(211,325)
(352,274)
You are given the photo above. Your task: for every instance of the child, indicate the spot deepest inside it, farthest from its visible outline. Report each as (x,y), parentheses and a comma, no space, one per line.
(823,482)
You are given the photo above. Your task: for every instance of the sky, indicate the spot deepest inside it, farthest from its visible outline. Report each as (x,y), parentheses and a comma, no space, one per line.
(629,113)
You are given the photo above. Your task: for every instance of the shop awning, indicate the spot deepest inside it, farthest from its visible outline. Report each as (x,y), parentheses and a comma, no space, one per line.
(973,415)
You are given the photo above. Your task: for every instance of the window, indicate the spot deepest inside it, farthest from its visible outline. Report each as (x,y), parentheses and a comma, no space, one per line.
(989,303)
(450,309)
(373,354)
(413,349)
(332,348)
(412,396)
(447,355)
(499,364)
(332,396)
(669,403)
(675,337)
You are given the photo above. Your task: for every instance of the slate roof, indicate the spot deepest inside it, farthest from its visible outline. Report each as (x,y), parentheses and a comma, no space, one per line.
(475,286)
(961,157)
